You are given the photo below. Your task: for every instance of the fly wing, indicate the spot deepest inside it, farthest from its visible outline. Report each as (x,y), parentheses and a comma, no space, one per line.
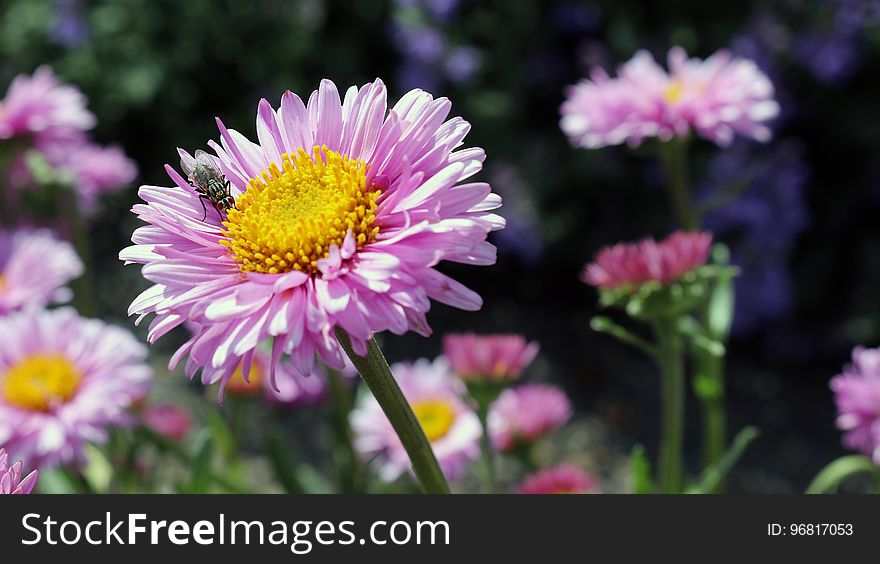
(207,161)
(187,162)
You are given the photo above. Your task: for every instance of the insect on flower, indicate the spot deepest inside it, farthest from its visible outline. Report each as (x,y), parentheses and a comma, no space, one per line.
(209,182)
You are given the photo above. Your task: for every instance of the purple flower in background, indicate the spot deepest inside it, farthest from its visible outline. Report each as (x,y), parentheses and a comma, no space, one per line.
(98,170)
(69,29)
(762,222)
(857,395)
(462,63)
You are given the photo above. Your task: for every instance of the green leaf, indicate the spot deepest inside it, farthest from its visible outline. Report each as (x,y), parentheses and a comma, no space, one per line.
(715,474)
(283,462)
(640,468)
(830,477)
(723,297)
(98,471)
(602,324)
(201,477)
(689,327)
(56,481)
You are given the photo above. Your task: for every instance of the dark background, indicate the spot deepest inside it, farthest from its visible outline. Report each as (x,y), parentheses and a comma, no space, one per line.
(802,226)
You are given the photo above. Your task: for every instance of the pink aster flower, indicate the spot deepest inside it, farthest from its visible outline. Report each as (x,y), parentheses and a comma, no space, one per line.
(11,481)
(436,399)
(64,380)
(39,106)
(718,98)
(562,479)
(342,212)
(857,394)
(629,264)
(34,269)
(492,357)
(524,414)
(168,420)
(98,170)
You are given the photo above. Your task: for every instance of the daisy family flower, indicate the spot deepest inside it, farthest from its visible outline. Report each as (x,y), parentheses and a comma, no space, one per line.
(632,264)
(562,479)
(489,357)
(97,170)
(63,381)
(168,420)
(343,210)
(34,269)
(857,395)
(11,481)
(40,107)
(718,98)
(436,399)
(524,414)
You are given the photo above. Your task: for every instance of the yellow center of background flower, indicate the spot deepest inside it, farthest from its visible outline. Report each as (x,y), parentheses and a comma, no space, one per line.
(674,91)
(288,218)
(2,282)
(435,416)
(237,385)
(40,382)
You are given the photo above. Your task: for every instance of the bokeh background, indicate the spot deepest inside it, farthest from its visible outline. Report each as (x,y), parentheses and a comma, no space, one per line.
(799,213)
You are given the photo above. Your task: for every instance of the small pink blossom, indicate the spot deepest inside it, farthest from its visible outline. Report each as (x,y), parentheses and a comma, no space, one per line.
(168,420)
(562,479)
(526,413)
(627,264)
(489,357)
(98,170)
(718,98)
(11,481)
(857,395)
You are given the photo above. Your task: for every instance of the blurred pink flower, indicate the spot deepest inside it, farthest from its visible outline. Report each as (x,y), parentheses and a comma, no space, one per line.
(96,171)
(11,481)
(562,479)
(64,380)
(488,357)
(343,211)
(524,414)
(719,97)
(34,269)
(40,107)
(664,262)
(857,395)
(168,420)
(436,399)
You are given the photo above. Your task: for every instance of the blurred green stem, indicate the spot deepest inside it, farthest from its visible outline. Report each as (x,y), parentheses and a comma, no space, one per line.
(670,358)
(674,156)
(486,452)
(350,477)
(83,287)
(375,371)
(829,478)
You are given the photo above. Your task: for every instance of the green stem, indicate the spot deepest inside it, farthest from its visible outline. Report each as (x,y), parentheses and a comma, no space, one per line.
(674,156)
(350,479)
(83,287)
(375,371)
(486,452)
(670,468)
(830,477)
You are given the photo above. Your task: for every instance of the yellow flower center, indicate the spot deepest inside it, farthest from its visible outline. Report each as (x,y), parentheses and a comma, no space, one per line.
(41,382)
(2,282)
(238,386)
(435,416)
(290,216)
(674,91)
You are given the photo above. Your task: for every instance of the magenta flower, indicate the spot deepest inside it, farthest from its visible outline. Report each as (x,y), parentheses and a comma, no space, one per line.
(38,106)
(34,269)
(857,394)
(11,481)
(524,414)
(167,420)
(632,264)
(342,212)
(562,479)
(436,399)
(96,171)
(718,98)
(64,380)
(489,357)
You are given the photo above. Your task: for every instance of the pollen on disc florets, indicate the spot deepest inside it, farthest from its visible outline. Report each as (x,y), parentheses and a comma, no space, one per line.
(40,382)
(290,216)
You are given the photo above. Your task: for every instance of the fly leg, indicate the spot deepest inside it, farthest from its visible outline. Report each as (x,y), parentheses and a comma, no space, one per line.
(202,199)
